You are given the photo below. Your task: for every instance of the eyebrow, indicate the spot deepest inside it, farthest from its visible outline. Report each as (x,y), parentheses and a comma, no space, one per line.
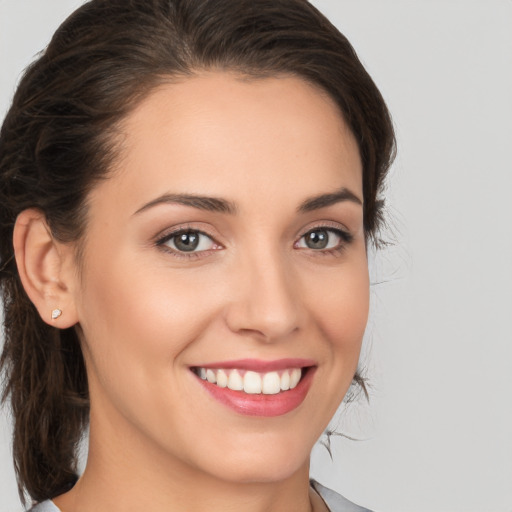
(209,204)
(218,205)
(325,200)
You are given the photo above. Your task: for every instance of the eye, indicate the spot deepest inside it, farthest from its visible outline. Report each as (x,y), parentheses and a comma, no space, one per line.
(188,241)
(322,239)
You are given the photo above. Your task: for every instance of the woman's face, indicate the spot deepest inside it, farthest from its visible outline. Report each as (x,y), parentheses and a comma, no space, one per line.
(228,244)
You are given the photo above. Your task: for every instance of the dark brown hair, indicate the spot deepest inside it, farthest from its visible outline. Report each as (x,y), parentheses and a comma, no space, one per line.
(57,141)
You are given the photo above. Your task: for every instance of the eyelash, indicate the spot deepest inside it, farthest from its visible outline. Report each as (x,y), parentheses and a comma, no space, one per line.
(345,239)
(183,254)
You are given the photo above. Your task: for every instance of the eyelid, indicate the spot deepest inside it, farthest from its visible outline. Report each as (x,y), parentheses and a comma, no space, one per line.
(328,225)
(168,234)
(346,237)
(197,227)
(165,235)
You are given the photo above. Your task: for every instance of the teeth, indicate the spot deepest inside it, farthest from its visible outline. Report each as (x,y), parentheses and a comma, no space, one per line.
(235,381)
(271,383)
(250,382)
(295,377)
(222,379)
(285,381)
(210,376)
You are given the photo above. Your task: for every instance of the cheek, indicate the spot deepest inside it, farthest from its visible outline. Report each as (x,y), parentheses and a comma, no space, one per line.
(134,319)
(138,324)
(342,312)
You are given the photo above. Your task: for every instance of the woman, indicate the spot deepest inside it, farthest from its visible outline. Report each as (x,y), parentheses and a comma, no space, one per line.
(188,192)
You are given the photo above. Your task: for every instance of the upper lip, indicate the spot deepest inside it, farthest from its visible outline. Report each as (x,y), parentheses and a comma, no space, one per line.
(259,365)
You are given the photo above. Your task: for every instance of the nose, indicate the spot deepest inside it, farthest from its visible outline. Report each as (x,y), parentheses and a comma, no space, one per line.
(266,302)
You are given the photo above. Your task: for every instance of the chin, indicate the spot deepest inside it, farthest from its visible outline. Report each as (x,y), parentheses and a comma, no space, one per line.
(268,473)
(265,461)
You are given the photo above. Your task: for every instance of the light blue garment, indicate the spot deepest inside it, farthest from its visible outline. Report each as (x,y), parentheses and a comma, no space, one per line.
(334,501)
(45,506)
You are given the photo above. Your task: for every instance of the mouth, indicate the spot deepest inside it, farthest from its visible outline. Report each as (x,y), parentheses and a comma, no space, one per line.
(258,388)
(250,382)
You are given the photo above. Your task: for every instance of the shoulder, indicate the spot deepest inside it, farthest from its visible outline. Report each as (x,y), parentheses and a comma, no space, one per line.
(335,501)
(45,506)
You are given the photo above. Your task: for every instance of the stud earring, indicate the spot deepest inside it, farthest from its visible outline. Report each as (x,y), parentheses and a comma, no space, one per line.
(56,313)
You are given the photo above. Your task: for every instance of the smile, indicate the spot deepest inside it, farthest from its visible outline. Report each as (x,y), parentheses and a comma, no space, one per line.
(251,382)
(258,388)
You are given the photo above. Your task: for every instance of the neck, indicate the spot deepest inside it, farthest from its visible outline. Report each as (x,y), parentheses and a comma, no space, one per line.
(142,477)
(98,490)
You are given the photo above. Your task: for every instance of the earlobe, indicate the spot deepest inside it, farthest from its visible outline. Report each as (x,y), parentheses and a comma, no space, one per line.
(44,268)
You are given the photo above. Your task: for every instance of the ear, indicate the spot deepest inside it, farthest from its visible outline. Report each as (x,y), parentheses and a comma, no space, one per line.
(46,268)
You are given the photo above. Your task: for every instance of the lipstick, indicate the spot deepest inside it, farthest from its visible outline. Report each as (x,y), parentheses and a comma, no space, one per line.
(258,388)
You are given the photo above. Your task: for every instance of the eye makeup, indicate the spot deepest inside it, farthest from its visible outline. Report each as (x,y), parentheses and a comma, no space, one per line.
(328,237)
(190,242)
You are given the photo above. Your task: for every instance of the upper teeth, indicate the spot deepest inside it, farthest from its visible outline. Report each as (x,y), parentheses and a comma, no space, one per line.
(269,383)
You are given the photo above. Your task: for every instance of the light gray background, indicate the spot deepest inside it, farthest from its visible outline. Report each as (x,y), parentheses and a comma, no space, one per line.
(437,435)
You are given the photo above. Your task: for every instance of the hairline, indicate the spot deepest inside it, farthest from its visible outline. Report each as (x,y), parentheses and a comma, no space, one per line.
(115,133)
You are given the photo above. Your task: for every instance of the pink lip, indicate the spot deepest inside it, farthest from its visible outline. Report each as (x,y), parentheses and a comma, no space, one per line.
(260,404)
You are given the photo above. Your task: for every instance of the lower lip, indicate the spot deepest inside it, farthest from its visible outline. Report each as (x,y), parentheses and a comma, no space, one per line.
(260,404)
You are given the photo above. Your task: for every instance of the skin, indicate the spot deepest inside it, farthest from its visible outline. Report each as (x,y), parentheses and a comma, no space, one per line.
(147,314)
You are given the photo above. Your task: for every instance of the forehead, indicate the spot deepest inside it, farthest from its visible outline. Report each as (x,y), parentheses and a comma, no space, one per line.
(224,135)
